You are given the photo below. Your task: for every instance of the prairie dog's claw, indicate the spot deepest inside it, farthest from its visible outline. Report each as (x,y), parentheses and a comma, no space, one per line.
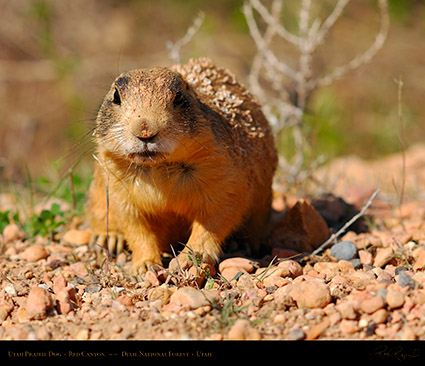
(143,267)
(113,241)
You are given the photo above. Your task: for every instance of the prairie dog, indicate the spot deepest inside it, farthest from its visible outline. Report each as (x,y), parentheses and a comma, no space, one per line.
(187,156)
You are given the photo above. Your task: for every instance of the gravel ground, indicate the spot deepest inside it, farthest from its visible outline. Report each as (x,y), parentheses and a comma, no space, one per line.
(368,286)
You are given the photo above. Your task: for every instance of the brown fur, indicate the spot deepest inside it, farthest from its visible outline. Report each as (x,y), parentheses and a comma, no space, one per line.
(187,156)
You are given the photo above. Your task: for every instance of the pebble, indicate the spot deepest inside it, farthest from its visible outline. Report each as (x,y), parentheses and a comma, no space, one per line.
(395,299)
(365,257)
(383,256)
(78,269)
(77,237)
(348,309)
(59,284)
(243,330)
(231,273)
(34,253)
(67,300)
(297,334)
(380,316)
(344,250)
(240,262)
(309,294)
(371,304)
(160,293)
(39,301)
(12,232)
(294,268)
(189,296)
(405,280)
(317,329)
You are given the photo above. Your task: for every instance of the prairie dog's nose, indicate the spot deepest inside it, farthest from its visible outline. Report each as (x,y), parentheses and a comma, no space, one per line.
(142,131)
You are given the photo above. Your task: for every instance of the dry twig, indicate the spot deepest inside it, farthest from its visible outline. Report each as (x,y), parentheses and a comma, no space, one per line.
(267,68)
(335,236)
(175,48)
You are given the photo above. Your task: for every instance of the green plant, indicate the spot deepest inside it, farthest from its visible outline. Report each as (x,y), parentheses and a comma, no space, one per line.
(46,223)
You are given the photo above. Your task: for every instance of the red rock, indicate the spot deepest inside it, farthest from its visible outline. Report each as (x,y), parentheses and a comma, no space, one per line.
(302,229)
(67,300)
(309,294)
(78,269)
(348,326)
(395,299)
(294,268)
(383,256)
(39,301)
(152,278)
(241,262)
(77,237)
(348,309)
(365,257)
(243,330)
(12,232)
(190,297)
(315,331)
(372,304)
(231,272)
(59,284)
(34,253)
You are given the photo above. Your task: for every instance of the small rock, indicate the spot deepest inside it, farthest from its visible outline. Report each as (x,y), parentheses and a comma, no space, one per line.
(380,316)
(344,250)
(297,334)
(302,229)
(161,293)
(295,269)
(348,326)
(39,301)
(408,334)
(78,269)
(34,253)
(233,273)
(365,257)
(10,290)
(315,331)
(12,232)
(310,294)
(245,283)
(405,280)
(59,284)
(347,310)
(371,304)
(189,296)
(82,335)
(67,300)
(395,299)
(243,330)
(383,256)
(241,262)
(77,237)
(152,278)
(279,319)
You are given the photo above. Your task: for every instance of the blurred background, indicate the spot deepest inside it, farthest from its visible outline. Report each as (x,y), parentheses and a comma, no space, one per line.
(58,59)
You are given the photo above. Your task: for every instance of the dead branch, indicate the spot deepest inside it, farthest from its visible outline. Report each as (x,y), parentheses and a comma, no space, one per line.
(335,236)
(267,68)
(175,48)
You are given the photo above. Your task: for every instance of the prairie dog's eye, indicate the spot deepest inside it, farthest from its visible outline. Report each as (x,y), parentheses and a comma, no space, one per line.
(179,100)
(117,97)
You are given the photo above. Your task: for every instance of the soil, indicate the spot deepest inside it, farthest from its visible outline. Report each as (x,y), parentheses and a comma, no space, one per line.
(93,298)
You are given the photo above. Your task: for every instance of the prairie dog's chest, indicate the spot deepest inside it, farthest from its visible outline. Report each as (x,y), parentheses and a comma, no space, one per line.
(168,188)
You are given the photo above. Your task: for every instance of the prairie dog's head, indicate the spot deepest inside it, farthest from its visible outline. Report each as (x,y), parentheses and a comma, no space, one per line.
(147,116)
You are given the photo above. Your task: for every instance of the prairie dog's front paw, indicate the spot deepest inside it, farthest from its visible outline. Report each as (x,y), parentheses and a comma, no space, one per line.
(141,266)
(113,241)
